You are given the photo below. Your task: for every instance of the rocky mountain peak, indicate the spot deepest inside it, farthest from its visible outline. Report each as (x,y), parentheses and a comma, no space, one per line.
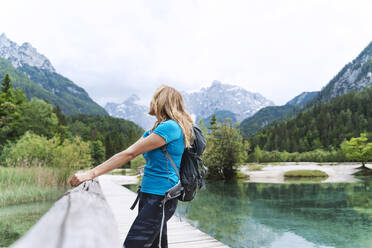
(24,54)
(131,111)
(228,97)
(355,75)
(228,100)
(5,42)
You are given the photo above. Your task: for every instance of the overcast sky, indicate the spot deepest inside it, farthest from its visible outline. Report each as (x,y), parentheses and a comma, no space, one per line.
(113,49)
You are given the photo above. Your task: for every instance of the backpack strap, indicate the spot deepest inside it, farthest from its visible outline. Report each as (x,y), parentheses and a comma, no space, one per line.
(137,198)
(163,148)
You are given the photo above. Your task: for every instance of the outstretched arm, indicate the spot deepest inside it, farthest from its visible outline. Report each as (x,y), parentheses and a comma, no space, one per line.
(142,145)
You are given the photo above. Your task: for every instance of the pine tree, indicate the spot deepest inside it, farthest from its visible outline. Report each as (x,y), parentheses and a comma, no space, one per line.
(213,123)
(5,86)
(97,152)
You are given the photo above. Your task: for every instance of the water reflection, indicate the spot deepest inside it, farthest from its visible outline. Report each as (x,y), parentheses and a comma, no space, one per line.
(284,215)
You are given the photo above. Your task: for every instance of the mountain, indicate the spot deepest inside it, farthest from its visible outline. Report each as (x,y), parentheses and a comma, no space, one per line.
(224,99)
(132,111)
(355,75)
(34,74)
(218,96)
(270,114)
(302,98)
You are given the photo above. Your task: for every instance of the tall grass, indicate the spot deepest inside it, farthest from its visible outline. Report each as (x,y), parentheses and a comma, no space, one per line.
(29,184)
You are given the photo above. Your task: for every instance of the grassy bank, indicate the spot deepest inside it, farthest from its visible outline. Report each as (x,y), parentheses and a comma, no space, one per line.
(305,173)
(30,184)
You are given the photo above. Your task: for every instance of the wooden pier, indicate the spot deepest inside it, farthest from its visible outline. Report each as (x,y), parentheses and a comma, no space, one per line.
(96,214)
(180,233)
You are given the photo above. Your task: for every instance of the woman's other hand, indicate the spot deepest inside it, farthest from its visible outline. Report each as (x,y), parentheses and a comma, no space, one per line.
(80,177)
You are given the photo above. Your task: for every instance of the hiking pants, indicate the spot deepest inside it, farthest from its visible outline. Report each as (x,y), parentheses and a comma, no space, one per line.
(145,229)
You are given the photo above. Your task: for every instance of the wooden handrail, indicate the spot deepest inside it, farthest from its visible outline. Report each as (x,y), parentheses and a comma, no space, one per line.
(80,218)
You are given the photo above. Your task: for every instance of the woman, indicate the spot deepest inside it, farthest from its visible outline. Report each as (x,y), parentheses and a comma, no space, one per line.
(173,127)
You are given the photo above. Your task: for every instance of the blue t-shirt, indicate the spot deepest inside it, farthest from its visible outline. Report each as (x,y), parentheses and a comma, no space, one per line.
(158,177)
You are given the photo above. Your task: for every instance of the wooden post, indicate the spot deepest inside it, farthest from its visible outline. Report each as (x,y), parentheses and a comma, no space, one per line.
(80,218)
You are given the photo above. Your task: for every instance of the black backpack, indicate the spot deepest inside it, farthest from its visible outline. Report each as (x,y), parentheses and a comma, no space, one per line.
(192,171)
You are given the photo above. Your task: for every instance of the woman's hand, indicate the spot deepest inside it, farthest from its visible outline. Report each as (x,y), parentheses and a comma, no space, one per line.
(80,177)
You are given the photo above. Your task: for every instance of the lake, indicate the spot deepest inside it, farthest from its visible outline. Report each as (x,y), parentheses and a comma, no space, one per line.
(291,215)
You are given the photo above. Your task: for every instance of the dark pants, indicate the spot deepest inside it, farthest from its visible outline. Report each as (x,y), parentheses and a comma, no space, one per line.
(145,229)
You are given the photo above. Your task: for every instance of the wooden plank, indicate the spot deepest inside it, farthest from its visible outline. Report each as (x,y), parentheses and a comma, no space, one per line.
(80,218)
(180,233)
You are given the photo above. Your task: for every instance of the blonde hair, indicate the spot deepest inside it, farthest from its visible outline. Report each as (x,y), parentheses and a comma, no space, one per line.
(167,103)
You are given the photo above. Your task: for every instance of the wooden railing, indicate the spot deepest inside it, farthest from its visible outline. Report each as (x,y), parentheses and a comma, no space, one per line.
(80,218)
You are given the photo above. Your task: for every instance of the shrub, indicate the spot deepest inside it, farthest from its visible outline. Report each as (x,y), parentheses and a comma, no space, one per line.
(34,150)
(137,162)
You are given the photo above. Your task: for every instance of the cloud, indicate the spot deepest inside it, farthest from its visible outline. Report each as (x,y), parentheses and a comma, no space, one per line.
(115,48)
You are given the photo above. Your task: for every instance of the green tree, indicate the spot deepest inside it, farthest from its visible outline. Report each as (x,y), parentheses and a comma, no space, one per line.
(358,149)
(202,126)
(62,129)
(6,86)
(213,123)
(12,103)
(257,154)
(225,151)
(40,118)
(97,152)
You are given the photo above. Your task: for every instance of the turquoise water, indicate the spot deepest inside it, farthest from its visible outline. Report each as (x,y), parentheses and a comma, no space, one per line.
(295,215)
(264,215)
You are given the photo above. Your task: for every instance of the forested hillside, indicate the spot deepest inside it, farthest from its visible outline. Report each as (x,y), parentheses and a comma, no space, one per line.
(325,125)
(52,87)
(116,134)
